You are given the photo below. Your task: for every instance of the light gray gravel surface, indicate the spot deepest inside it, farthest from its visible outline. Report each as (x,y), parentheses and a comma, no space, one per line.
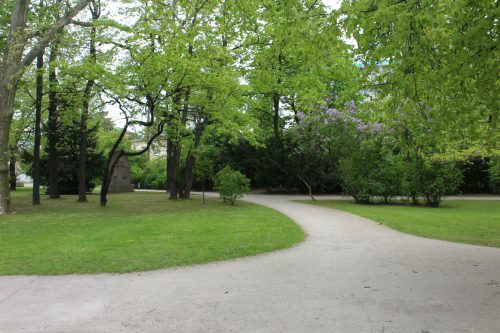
(350,275)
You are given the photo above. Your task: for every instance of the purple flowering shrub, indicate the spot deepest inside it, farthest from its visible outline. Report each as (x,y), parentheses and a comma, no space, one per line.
(373,160)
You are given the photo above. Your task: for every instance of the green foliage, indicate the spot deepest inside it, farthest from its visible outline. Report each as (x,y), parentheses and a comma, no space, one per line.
(371,170)
(439,178)
(436,65)
(231,184)
(149,173)
(431,179)
(68,148)
(494,173)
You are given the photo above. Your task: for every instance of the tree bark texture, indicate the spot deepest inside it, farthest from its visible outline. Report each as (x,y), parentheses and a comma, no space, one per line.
(276,118)
(6,112)
(190,161)
(9,76)
(12,169)
(52,128)
(87,95)
(173,165)
(38,133)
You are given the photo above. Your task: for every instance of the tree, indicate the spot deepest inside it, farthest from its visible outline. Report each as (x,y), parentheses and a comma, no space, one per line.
(430,63)
(95,10)
(69,151)
(14,61)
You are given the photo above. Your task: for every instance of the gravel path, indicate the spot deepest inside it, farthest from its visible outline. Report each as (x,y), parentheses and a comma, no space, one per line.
(350,275)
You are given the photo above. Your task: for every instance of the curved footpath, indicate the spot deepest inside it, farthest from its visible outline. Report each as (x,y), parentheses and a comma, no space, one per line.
(350,275)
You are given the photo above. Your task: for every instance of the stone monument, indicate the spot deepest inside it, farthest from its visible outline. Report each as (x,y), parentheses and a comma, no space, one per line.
(120,179)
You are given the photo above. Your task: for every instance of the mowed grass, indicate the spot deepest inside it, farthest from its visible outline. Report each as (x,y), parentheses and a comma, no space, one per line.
(472,222)
(136,232)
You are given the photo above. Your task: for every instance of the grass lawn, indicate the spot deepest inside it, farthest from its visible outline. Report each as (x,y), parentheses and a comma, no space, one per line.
(137,231)
(472,222)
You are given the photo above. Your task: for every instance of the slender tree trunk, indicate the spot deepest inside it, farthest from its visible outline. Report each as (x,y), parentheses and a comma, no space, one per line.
(53,130)
(82,177)
(82,157)
(308,187)
(38,135)
(12,169)
(276,120)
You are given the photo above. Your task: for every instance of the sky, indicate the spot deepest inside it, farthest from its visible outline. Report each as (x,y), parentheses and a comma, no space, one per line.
(334,4)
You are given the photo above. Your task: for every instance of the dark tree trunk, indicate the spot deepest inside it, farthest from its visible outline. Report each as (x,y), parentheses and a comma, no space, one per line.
(115,154)
(173,161)
(38,134)
(190,161)
(174,147)
(82,158)
(53,130)
(12,169)
(276,120)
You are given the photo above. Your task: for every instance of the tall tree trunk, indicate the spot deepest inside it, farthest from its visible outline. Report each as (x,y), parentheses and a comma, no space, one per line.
(9,76)
(82,160)
(53,130)
(12,169)
(38,134)
(276,120)
(174,146)
(6,111)
(190,161)
(82,157)
(173,162)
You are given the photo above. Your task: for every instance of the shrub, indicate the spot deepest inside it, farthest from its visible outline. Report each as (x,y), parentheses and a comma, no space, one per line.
(231,184)
(432,179)
(494,175)
(371,170)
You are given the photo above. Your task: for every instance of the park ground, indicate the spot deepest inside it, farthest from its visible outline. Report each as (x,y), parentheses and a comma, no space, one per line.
(349,275)
(135,232)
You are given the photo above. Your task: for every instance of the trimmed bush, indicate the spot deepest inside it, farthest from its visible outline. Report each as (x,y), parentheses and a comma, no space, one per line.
(231,184)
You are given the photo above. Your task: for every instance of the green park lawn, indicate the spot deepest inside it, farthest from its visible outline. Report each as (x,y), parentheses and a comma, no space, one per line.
(472,222)
(136,232)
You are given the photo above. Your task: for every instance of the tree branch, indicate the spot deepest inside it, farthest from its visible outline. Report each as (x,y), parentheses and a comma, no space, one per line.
(49,35)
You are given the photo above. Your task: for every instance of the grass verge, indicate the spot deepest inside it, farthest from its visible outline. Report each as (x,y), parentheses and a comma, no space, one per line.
(136,232)
(472,222)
